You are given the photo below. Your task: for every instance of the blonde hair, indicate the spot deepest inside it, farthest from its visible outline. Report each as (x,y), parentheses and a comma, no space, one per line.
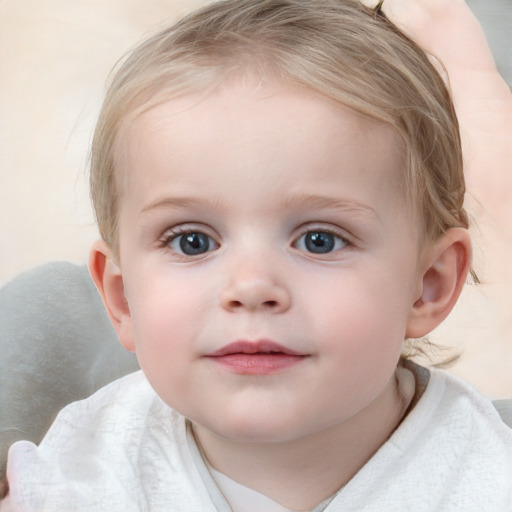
(338,48)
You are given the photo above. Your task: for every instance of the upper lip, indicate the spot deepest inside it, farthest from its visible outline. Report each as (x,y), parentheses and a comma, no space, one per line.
(253,347)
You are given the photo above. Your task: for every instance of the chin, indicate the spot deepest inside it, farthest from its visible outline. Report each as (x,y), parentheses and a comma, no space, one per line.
(259,430)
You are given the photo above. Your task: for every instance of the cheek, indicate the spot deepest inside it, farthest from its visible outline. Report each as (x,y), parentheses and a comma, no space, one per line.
(165,316)
(360,332)
(164,332)
(364,297)
(358,318)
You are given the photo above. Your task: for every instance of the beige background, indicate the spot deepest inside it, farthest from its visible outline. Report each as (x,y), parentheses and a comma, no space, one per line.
(55,56)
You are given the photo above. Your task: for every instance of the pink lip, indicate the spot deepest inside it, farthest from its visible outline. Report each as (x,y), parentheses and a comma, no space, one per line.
(253,347)
(262,357)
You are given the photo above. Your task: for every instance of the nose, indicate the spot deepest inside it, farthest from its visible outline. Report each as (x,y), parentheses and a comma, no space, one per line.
(253,288)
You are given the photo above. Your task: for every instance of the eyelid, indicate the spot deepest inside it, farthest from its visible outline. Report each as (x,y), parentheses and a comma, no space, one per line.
(324,228)
(172,233)
(189,227)
(343,237)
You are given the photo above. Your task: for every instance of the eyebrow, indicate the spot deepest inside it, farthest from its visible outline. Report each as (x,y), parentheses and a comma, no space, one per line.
(298,202)
(178,202)
(319,202)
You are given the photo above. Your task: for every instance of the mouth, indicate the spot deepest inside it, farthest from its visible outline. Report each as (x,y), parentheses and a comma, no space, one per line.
(262,357)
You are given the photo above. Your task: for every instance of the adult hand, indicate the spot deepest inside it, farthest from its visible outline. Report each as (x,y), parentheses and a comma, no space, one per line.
(448,30)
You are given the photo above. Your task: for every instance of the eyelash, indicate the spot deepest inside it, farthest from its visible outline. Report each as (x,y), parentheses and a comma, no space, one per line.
(347,243)
(175,233)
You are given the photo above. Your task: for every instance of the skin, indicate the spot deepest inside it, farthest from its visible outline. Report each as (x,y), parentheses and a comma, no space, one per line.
(449,30)
(483,100)
(257,169)
(477,88)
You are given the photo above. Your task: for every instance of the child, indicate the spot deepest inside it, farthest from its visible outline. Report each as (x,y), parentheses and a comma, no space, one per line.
(279,189)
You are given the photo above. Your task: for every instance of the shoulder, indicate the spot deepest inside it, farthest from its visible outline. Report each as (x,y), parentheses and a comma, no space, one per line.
(120,449)
(455,439)
(452,452)
(459,418)
(132,391)
(448,397)
(113,421)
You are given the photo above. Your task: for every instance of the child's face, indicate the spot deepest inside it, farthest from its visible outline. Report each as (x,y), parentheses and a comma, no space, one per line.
(260,219)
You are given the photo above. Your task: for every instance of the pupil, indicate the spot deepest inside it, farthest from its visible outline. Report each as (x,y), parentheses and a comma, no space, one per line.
(194,243)
(319,242)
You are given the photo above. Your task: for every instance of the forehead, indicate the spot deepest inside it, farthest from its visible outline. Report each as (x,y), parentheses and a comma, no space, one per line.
(257,133)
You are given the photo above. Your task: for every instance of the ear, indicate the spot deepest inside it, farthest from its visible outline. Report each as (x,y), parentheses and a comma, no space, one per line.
(445,273)
(108,279)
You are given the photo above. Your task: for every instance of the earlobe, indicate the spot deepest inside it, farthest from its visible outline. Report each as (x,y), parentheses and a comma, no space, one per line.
(442,280)
(107,277)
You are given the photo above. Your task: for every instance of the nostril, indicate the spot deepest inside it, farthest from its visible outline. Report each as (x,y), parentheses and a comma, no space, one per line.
(255,296)
(236,304)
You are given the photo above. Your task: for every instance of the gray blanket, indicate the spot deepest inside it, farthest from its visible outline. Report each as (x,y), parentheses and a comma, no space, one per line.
(57,346)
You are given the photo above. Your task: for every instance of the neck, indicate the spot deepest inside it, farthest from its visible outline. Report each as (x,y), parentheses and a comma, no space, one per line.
(301,473)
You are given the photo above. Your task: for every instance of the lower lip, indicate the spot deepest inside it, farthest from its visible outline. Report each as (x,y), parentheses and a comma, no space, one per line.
(258,364)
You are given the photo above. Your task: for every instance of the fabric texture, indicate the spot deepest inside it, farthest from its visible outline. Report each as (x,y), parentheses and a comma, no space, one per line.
(57,346)
(124,449)
(244,499)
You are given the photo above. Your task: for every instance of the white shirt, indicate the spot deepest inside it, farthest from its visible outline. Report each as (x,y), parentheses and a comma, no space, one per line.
(124,450)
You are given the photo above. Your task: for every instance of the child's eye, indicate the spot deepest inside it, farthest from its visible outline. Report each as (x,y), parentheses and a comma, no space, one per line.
(191,243)
(320,242)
